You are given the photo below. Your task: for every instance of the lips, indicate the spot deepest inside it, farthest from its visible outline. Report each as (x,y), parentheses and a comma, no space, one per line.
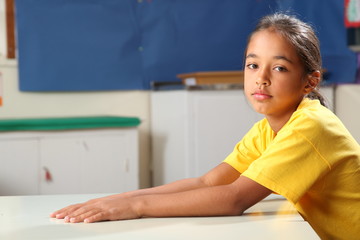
(259,95)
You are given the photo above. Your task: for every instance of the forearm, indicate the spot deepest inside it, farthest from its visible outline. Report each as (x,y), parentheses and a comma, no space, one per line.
(220,200)
(207,201)
(177,186)
(221,175)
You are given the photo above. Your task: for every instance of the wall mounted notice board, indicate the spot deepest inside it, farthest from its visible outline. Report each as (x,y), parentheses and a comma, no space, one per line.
(91,45)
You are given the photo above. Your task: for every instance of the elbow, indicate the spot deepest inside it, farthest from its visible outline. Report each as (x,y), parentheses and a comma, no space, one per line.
(236,211)
(238,204)
(235,208)
(240,211)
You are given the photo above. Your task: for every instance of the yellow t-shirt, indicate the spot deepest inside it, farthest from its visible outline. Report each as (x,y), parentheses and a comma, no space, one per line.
(313,161)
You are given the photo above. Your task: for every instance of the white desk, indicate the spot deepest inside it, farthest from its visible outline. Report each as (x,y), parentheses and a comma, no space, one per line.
(26,217)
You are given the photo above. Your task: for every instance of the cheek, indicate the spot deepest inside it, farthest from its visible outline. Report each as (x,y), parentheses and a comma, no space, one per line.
(288,83)
(248,82)
(247,88)
(289,91)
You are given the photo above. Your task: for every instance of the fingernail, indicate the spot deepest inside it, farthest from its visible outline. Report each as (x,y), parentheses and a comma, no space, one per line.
(86,220)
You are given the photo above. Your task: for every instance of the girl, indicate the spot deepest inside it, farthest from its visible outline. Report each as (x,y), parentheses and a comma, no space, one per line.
(300,149)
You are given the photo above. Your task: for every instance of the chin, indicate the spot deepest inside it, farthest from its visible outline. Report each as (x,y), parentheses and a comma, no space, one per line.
(258,107)
(260,110)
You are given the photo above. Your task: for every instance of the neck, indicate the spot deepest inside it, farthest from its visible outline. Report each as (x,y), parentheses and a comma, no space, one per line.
(276,122)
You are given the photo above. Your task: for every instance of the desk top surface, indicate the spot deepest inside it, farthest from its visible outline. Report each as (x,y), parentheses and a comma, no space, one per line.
(26,217)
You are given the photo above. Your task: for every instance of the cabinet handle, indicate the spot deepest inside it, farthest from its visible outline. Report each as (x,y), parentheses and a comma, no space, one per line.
(48,176)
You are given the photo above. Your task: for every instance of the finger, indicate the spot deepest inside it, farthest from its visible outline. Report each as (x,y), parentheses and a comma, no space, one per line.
(64,212)
(80,213)
(100,216)
(59,214)
(82,217)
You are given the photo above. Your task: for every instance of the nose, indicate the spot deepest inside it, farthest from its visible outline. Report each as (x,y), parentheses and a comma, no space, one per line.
(264,83)
(263,79)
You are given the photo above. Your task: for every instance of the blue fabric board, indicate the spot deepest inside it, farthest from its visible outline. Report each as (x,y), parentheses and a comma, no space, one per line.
(190,36)
(86,45)
(94,45)
(77,45)
(327,17)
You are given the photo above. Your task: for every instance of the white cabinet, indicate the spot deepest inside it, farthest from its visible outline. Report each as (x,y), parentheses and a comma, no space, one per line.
(193,131)
(19,166)
(347,107)
(77,161)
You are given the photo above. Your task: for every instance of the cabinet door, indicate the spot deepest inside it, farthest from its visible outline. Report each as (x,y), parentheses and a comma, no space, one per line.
(18,166)
(91,164)
(193,131)
(169,136)
(346,99)
(219,120)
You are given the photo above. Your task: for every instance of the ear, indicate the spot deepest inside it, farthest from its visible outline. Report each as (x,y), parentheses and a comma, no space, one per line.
(312,80)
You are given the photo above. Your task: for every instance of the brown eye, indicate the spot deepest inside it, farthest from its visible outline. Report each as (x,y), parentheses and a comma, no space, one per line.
(251,66)
(280,69)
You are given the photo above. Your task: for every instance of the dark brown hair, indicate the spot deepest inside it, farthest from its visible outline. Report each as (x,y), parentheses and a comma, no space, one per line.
(302,36)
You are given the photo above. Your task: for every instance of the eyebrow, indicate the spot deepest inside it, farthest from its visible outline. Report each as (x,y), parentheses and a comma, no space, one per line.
(253,55)
(283,58)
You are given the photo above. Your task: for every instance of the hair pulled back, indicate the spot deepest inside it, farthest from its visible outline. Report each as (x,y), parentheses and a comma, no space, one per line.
(302,37)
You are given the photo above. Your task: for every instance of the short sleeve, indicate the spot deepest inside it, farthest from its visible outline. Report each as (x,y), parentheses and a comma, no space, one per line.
(250,147)
(291,163)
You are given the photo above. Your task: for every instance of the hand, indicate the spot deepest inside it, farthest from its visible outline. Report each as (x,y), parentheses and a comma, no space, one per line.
(108,208)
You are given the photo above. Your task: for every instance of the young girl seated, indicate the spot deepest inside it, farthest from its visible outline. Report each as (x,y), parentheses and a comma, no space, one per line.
(300,150)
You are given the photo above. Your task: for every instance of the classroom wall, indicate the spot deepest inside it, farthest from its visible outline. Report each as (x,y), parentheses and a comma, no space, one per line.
(18,104)
(2,29)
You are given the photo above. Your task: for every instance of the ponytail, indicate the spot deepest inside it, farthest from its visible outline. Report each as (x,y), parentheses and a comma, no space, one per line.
(316,95)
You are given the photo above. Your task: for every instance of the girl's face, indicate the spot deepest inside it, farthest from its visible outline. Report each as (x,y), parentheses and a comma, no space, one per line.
(274,76)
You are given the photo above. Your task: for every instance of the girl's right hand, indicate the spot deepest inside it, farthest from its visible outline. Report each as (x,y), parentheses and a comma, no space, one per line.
(115,207)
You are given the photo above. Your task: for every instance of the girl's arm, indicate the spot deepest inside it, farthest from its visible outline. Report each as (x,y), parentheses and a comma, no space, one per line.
(220,175)
(219,192)
(222,200)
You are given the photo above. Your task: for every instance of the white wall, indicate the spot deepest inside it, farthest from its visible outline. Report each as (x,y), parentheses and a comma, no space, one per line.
(347,99)
(18,104)
(2,29)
